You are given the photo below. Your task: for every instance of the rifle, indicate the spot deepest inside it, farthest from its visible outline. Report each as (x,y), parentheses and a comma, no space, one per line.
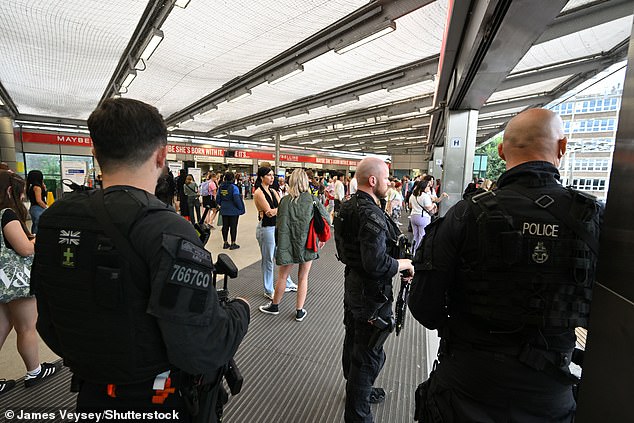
(404,246)
(210,400)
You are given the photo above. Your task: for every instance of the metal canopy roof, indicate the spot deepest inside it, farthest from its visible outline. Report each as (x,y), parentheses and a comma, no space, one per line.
(61,58)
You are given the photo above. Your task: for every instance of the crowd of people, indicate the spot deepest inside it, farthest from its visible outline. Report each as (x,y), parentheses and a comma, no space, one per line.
(146,290)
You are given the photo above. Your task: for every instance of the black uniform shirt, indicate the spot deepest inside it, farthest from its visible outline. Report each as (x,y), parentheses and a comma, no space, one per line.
(431,288)
(376,268)
(199,335)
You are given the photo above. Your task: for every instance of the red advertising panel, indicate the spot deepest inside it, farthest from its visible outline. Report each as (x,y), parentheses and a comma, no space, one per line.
(63,139)
(85,141)
(193,149)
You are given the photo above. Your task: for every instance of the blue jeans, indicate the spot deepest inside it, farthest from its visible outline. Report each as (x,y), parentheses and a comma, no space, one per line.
(35,211)
(266,238)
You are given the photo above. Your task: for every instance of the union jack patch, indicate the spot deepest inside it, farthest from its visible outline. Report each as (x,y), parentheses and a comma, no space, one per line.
(69,237)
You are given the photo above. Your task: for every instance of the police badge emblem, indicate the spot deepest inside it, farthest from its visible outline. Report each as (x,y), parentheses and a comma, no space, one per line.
(540,253)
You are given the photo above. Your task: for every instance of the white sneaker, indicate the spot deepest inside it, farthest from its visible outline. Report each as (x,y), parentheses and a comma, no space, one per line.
(291,288)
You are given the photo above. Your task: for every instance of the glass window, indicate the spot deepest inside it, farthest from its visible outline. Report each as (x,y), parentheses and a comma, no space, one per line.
(51,167)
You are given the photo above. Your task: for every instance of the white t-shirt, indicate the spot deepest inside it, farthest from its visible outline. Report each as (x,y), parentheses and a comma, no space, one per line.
(340,191)
(416,204)
(352,188)
(394,197)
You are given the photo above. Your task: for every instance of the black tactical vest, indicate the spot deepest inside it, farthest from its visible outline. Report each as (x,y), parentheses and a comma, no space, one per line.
(96,298)
(346,222)
(532,269)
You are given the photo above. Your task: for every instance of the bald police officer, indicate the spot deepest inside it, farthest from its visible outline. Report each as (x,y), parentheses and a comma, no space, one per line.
(366,241)
(124,285)
(505,277)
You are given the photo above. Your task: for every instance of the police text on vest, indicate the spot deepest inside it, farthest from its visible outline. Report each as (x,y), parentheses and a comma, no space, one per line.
(540,229)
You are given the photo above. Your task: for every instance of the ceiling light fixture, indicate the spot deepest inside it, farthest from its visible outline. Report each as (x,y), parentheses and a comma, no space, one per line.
(153,41)
(128,79)
(208,110)
(296,112)
(232,98)
(341,100)
(189,119)
(285,74)
(181,3)
(366,37)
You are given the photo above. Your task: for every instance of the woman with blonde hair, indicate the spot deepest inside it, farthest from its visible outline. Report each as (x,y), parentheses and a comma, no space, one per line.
(294,214)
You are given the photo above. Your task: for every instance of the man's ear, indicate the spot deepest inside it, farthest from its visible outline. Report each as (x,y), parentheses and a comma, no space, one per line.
(161,156)
(501,151)
(563,144)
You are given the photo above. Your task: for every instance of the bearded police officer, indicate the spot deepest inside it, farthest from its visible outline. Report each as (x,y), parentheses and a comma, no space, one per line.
(124,285)
(505,277)
(366,241)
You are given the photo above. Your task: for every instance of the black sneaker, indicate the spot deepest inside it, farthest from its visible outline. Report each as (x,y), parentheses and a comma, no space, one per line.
(225,246)
(300,314)
(234,246)
(270,308)
(48,370)
(6,385)
(377,395)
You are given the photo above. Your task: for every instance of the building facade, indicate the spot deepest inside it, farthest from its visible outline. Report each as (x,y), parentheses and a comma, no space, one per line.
(590,122)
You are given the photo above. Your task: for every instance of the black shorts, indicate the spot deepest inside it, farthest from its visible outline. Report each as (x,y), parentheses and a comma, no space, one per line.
(209,202)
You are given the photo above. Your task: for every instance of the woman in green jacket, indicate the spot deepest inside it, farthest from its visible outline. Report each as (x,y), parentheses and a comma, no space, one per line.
(294,214)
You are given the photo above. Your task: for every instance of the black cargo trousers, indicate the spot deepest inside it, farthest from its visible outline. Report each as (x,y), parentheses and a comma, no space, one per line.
(361,366)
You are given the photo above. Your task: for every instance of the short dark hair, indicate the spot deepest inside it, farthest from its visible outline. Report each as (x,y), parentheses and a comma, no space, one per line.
(125,132)
(229,177)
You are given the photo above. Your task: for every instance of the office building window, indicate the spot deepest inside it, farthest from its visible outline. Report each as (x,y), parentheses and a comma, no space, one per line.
(584,184)
(591,165)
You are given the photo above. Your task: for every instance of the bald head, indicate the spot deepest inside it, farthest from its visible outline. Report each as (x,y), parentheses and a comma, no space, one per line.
(370,166)
(373,177)
(534,134)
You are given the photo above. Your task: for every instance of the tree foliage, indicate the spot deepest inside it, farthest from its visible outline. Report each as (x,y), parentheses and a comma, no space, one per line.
(495,165)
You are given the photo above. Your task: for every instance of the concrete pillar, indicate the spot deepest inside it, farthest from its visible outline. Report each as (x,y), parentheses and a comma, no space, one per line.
(7,142)
(277,155)
(458,155)
(435,165)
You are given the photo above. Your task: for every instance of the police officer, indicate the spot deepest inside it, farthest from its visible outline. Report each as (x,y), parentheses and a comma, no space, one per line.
(366,241)
(124,285)
(505,277)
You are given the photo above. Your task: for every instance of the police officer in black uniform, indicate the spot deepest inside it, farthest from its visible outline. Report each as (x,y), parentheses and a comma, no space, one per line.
(366,241)
(506,277)
(124,285)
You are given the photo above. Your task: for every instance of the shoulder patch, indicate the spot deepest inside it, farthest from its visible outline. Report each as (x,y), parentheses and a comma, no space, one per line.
(190,276)
(189,251)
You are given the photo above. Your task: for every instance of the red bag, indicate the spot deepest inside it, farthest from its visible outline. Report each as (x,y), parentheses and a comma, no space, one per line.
(317,232)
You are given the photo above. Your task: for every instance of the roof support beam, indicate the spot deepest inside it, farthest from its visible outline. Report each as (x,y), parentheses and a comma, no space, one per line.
(485,40)
(154,15)
(562,69)
(503,37)
(498,106)
(586,17)
(8,102)
(417,71)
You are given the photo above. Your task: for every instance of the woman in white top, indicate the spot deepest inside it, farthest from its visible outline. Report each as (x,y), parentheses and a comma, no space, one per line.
(422,208)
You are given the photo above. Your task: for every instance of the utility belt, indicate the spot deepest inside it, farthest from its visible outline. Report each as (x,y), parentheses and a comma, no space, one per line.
(154,391)
(552,363)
